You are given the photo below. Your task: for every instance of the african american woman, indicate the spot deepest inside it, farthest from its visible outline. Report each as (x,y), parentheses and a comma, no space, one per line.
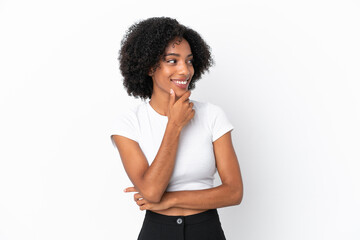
(172,146)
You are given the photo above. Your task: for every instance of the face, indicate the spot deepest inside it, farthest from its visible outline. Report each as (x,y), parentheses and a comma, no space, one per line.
(176,69)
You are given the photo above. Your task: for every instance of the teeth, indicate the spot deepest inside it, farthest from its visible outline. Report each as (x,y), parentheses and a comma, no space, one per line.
(180,82)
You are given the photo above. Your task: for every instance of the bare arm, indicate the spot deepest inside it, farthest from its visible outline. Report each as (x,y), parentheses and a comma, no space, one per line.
(229,193)
(151,181)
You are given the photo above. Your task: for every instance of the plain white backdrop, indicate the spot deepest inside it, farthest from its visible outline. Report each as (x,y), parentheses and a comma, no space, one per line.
(286,74)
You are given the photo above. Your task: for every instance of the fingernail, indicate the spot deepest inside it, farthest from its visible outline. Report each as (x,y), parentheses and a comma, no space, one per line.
(171,91)
(125,190)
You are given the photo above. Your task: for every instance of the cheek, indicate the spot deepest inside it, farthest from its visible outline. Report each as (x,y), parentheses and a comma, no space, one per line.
(169,71)
(192,71)
(164,73)
(164,70)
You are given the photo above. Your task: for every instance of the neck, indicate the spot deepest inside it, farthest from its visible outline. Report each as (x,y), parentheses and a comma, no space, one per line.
(160,102)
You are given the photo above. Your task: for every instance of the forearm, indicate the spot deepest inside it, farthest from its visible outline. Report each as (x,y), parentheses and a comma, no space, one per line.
(156,178)
(217,197)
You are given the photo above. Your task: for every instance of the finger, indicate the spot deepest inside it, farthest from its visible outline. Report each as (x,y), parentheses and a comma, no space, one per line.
(141,202)
(172,97)
(137,196)
(185,96)
(191,115)
(144,207)
(190,108)
(130,189)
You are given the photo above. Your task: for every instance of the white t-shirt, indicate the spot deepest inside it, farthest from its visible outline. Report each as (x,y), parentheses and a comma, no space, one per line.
(195,160)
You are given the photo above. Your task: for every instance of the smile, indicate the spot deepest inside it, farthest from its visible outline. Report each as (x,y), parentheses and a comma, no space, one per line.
(180,84)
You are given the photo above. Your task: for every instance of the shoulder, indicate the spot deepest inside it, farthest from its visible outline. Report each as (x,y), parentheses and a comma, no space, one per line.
(126,122)
(128,115)
(198,105)
(202,105)
(207,107)
(132,111)
(213,107)
(209,110)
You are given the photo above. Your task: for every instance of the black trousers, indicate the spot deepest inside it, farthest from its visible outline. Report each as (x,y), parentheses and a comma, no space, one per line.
(202,226)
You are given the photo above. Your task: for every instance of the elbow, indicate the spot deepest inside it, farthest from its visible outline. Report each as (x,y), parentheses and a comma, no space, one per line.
(238,195)
(238,198)
(150,192)
(152,196)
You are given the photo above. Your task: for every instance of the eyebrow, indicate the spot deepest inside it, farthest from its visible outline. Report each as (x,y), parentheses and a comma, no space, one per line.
(175,54)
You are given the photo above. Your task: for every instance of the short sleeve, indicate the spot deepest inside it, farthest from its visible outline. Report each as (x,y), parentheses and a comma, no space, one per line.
(125,125)
(219,122)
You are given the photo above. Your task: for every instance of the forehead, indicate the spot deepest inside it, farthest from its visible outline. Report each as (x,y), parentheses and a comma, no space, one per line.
(178,46)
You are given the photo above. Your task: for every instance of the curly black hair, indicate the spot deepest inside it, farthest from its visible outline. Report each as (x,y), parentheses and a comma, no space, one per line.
(142,48)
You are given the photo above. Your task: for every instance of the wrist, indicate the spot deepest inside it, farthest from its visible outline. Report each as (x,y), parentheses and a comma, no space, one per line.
(174,127)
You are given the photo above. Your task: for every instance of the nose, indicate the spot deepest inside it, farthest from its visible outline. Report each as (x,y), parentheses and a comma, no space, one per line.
(184,68)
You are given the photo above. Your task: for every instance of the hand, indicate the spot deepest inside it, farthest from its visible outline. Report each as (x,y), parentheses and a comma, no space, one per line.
(180,112)
(145,204)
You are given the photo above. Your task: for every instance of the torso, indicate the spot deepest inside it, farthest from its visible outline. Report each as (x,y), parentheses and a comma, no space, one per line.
(152,127)
(195,166)
(179,211)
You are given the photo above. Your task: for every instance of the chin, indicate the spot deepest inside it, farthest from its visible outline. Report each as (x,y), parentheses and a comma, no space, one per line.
(180,92)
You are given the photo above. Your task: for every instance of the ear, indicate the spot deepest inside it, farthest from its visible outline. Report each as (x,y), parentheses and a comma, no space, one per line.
(151,72)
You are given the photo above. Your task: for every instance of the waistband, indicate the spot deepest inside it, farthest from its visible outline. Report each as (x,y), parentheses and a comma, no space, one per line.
(174,220)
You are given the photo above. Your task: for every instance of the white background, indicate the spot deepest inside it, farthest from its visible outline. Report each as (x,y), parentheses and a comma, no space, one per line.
(286,74)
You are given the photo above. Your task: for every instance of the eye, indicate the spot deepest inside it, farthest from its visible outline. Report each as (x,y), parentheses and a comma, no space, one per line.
(191,61)
(171,61)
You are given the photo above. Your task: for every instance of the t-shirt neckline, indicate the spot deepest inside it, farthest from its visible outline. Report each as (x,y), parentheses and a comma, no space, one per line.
(155,112)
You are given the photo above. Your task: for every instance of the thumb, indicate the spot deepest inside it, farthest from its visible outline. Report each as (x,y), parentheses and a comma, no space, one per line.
(172,97)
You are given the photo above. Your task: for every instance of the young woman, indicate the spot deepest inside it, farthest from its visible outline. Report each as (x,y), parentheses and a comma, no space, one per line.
(171,146)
